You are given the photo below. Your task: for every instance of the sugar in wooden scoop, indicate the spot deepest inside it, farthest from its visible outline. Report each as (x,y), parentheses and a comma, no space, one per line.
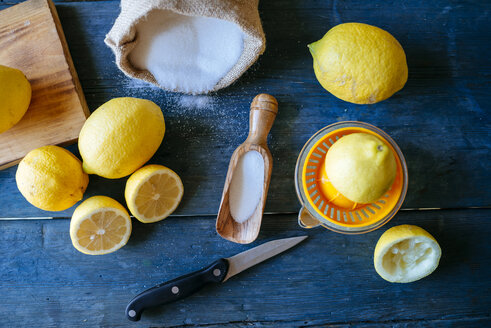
(184,53)
(246,187)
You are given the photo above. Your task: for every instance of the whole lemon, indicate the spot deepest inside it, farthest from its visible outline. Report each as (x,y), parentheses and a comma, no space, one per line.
(120,136)
(361,167)
(15,95)
(51,178)
(359,63)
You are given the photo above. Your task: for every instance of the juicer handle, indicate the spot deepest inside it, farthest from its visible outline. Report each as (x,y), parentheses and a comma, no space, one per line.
(264,108)
(306,220)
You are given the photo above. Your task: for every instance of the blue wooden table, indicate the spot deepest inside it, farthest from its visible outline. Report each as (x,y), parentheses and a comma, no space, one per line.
(441,121)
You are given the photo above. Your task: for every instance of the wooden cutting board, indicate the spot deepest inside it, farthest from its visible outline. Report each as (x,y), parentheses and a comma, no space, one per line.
(32,40)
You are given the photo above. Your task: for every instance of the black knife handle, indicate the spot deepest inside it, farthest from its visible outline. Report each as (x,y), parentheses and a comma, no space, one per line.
(176,289)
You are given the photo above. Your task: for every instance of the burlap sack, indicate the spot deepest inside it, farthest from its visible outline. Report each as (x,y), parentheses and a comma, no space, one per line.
(121,38)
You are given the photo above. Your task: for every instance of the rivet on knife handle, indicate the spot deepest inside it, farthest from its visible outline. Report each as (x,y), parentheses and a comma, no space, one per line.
(176,289)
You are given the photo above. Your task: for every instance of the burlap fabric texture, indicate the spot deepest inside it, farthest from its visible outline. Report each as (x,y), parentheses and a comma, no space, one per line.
(122,36)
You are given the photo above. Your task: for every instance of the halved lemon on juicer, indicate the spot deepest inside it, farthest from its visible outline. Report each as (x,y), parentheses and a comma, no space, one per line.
(359,168)
(351,177)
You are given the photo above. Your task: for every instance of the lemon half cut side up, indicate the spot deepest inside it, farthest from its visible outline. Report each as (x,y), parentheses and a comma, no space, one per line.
(100,225)
(153,192)
(406,253)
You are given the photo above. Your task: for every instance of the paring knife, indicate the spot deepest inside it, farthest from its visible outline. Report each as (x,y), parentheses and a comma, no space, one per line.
(218,271)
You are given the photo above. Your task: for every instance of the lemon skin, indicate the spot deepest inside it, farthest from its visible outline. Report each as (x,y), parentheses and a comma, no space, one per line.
(361,167)
(15,97)
(51,178)
(120,136)
(359,63)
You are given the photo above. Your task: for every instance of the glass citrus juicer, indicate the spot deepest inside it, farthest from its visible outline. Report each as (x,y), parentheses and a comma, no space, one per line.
(338,213)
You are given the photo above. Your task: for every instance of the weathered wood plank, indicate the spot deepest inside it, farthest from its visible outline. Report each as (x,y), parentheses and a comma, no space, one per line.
(467,323)
(327,279)
(440,119)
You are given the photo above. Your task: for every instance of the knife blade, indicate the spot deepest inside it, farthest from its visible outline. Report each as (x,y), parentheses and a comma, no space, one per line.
(217,272)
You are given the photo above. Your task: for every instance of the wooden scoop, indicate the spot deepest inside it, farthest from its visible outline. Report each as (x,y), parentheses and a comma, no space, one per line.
(263,112)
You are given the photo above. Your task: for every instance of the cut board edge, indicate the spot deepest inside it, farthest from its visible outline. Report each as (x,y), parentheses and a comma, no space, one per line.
(6,165)
(49,5)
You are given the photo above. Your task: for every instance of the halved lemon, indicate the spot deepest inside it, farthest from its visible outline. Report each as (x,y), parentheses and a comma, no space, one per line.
(100,225)
(153,192)
(406,253)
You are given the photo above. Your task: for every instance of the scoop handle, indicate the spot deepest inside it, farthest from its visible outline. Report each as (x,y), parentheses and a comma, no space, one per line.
(264,108)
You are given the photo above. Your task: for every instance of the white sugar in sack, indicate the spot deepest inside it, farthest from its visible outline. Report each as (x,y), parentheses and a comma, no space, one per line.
(185,53)
(190,46)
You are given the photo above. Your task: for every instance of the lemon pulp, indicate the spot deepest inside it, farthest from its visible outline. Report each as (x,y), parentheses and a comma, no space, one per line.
(100,225)
(406,253)
(153,192)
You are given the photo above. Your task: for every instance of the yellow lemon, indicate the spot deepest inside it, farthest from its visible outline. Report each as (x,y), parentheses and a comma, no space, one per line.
(51,178)
(406,253)
(334,196)
(361,167)
(359,63)
(100,225)
(15,95)
(121,136)
(153,192)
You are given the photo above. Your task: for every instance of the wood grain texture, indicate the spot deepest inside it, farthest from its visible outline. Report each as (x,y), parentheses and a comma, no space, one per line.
(327,279)
(440,119)
(264,109)
(32,40)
